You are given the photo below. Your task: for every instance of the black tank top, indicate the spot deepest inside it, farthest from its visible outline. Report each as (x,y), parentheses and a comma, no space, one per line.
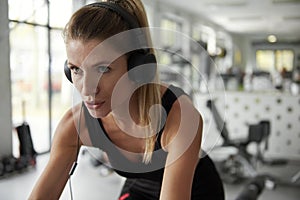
(124,167)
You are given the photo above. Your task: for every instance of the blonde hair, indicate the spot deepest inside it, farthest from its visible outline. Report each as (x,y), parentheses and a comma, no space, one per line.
(90,23)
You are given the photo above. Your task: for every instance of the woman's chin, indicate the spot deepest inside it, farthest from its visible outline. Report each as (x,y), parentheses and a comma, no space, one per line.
(97,113)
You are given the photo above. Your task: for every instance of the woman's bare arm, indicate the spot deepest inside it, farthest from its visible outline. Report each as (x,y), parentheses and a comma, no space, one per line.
(182,140)
(63,153)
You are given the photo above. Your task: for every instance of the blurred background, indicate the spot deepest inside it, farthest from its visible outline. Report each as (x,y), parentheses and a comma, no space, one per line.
(238,59)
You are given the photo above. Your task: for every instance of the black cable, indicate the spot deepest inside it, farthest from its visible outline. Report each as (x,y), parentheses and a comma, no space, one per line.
(70,187)
(77,153)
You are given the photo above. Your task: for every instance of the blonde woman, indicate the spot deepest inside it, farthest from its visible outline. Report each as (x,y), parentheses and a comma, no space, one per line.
(150,131)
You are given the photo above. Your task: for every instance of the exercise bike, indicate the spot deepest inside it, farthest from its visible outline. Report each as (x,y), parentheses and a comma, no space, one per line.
(241,165)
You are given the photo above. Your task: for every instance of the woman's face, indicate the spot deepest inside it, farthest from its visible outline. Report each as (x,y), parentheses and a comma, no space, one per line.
(95,72)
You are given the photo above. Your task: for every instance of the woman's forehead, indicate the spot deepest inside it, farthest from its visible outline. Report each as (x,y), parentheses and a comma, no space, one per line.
(91,52)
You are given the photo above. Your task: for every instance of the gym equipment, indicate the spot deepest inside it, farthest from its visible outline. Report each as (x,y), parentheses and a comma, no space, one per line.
(253,189)
(27,151)
(10,164)
(1,169)
(99,160)
(242,165)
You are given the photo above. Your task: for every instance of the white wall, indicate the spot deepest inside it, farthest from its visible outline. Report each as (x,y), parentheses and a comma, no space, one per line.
(5,87)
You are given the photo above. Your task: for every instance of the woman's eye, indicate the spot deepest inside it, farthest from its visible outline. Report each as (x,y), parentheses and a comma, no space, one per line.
(103,69)
(74,69)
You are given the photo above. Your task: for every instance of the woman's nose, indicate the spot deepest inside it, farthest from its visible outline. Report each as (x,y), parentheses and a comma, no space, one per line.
(90,85)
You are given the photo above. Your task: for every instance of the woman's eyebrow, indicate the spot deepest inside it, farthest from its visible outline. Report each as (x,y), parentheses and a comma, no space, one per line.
(101,63)
(95,64)
(69,63)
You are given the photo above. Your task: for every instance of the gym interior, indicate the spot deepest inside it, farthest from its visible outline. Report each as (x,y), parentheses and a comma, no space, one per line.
(238,60)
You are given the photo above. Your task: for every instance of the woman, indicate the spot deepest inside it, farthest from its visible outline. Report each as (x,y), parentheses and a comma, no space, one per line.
(150,131)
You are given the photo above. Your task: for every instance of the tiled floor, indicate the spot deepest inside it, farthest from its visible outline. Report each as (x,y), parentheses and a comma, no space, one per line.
(88,184)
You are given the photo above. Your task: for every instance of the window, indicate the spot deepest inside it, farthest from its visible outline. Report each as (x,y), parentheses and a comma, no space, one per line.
(170,40)
(270,60)
(172,45)
(37,55)
(284,59)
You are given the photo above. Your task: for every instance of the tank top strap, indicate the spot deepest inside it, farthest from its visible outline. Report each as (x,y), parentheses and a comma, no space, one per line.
(170,96)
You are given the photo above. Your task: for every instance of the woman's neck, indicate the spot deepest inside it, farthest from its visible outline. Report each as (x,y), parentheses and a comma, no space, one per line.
(127,112)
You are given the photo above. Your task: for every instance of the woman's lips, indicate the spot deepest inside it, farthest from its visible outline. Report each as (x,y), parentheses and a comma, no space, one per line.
(93,105)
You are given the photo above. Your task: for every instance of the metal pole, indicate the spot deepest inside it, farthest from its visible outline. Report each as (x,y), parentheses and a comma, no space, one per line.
(49,74)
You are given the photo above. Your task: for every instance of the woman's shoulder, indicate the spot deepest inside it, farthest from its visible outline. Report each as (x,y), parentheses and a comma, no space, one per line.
(176,102)
(182,112)
(181,106)
(70,116)
(67,127)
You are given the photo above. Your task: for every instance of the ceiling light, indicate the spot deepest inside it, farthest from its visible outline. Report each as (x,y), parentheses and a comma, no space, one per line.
(272,38)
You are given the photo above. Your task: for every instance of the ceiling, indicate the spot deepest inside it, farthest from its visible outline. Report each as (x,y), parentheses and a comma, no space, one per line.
(254,18)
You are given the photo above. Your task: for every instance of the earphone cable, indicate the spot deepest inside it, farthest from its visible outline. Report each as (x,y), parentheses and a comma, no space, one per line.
(70,187)
(77,153)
